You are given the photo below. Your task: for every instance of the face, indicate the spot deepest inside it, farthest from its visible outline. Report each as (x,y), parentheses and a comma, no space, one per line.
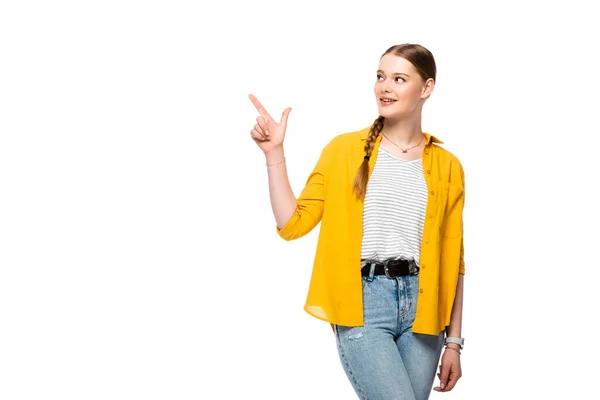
(397,79)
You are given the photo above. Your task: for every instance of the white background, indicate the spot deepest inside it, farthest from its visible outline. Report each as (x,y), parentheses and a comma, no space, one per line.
(139,258)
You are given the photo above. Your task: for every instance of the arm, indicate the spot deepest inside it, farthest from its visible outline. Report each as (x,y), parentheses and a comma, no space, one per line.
(296,218)
(450,369)
(454,329)
(283,201)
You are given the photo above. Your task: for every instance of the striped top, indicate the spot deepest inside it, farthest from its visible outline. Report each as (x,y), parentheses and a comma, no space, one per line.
(394,210)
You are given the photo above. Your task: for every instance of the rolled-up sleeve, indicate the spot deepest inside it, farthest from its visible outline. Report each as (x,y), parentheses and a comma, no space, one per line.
(461,267)
(454,214)
(309,209)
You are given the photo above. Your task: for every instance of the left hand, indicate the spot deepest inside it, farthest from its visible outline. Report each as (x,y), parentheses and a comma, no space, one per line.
(450,371)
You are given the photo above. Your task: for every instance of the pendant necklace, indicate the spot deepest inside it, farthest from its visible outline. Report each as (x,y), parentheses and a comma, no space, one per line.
(404,151)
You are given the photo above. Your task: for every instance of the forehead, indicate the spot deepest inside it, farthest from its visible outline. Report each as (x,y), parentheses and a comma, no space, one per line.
(391,64)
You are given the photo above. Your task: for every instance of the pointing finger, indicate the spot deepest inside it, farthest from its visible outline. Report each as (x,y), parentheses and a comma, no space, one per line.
(260,108)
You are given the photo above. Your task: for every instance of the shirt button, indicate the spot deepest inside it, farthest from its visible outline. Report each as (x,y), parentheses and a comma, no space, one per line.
(422,266)
(425,151)
(426,241)
(432,192)
(428,171)
(421,291)
(430,216)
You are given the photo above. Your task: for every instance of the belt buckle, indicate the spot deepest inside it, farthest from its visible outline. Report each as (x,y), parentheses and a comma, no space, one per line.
(413,268)
(387,273)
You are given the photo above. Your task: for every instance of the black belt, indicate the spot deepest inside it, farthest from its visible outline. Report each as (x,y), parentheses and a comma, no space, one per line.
(392,268)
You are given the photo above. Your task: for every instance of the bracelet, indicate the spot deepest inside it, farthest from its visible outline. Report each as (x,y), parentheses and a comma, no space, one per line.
(268,165)
(452,348)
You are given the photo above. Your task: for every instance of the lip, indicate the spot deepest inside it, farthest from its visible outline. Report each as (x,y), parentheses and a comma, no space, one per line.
(384,104)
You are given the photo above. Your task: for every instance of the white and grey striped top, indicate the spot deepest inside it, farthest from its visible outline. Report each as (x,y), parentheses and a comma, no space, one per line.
(395,207)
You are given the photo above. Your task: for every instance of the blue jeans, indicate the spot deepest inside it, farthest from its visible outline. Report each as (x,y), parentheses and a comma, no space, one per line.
(384,359)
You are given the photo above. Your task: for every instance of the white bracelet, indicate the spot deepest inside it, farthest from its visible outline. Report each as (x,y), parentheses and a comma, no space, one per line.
(458,340)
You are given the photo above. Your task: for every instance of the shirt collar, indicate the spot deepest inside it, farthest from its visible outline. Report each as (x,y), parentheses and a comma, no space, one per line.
(430,138)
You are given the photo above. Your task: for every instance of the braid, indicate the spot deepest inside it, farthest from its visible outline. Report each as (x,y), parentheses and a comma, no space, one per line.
(362,176)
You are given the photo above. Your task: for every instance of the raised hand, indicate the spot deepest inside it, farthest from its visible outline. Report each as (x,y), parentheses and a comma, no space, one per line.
(267,133)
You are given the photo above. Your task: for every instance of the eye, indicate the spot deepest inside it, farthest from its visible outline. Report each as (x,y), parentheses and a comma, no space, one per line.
(398,77)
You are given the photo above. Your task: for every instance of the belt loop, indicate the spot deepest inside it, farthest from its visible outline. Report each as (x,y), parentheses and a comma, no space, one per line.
(372,271)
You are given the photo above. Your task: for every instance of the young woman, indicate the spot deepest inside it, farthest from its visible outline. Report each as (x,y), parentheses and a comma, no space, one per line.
(388,271)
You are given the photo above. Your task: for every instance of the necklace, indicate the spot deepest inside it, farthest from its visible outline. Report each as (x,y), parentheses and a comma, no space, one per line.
(404,151)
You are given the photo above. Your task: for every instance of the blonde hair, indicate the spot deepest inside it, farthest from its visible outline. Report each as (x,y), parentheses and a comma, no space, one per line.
(424,64)
(362,176)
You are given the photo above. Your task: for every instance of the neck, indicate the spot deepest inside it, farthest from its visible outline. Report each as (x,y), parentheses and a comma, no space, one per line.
(403,132)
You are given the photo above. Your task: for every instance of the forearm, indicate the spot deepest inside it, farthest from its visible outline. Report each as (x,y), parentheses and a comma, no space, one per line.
(455,327)
(283,201)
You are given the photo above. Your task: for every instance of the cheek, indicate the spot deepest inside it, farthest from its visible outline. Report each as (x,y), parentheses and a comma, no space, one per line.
(415,93)
(408,97)
(407,102)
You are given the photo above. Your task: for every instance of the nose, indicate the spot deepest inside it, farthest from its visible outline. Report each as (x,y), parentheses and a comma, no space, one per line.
(385,86)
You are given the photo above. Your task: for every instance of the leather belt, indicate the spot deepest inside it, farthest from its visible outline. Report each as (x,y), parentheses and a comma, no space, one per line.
(391,268)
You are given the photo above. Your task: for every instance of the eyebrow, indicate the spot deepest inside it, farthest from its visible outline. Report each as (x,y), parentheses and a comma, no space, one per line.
(396,73)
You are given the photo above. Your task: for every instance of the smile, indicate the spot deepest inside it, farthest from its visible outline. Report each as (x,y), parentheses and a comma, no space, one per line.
(386,101)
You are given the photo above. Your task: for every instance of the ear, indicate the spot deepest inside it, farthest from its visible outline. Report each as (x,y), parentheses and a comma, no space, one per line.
(428,88)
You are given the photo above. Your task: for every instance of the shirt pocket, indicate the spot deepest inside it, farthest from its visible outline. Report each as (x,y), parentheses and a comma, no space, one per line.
(452,221)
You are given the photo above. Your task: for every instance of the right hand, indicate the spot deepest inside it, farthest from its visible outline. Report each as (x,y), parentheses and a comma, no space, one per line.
(267,133)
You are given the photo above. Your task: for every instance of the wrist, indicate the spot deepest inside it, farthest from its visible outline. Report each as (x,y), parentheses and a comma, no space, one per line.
(453,349)
(455,341)
(453,331)
(275,155)
(453,345)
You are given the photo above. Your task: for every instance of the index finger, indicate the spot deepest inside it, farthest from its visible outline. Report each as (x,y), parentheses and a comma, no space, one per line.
(260,108)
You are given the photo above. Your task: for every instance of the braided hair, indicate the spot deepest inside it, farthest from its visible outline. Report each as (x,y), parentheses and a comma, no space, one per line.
(362,176)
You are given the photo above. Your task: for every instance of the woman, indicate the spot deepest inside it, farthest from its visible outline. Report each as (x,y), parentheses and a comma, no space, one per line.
(388,270)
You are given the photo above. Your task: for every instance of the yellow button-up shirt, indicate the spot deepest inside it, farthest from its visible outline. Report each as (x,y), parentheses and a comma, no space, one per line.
(335,291)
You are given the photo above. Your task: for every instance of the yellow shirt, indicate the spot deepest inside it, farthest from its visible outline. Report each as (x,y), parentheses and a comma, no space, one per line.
(335,291)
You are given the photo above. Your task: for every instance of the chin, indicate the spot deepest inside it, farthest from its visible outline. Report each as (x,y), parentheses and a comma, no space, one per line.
(386,113)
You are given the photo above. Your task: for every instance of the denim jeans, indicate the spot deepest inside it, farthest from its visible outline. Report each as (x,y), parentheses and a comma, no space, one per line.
(384,359)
